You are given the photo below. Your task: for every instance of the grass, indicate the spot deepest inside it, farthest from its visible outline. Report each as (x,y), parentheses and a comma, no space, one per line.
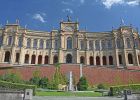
(78,94)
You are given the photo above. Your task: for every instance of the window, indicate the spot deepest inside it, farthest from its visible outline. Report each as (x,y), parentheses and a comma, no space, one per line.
(119,43)
(110,60)
(97,60)
(136,41)
(56,44)
(91,59)
(0,40)
(28,43)
(109,44)
(90,45)
(10,40)
(128,43)
(55,59)
(69,43)
(82,60)
(48,44)
(7,56)
(35,43)
(104,60)
(97,45)
(46,59)
(41,44)
(20,42)
(103,44)
(82,46)
(17,57)
(26,61)
(130,59)
(120,59)
(69,58)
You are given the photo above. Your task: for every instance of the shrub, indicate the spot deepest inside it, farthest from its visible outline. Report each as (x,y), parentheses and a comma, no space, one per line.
(82,84)
(19,86)
(100,86)
(132,87)
(43,83)
(11,77)
(35,81)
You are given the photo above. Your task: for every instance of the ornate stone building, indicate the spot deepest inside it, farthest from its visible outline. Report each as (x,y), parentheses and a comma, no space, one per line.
(117,48)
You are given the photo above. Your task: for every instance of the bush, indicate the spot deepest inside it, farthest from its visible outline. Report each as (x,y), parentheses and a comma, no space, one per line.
(19,86)
(132,87)
(43,83)
(82,84)
(11,77)
(100,86)
(35,81)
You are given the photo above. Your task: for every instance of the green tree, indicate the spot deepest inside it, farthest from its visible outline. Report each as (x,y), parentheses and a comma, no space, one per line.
(58,77)
(82,84)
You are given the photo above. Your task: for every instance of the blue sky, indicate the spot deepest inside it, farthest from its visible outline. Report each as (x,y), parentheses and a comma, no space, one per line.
(95,15)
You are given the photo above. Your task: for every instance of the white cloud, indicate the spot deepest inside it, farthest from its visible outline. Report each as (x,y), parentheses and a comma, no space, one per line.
(82,1)
(73,2)
(133,3)
(39,17)
(109,3)
(68,10)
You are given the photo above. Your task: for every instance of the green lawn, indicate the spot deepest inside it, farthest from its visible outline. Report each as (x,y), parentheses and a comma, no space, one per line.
(80,94)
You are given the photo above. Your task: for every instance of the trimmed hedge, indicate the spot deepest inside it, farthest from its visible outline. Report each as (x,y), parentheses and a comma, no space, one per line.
(11,85)
(132,87)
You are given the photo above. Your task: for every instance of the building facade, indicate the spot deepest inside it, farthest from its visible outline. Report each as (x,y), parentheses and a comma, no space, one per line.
(117,48)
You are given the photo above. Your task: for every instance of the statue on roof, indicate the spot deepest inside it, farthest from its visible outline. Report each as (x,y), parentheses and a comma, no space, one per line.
(69,18)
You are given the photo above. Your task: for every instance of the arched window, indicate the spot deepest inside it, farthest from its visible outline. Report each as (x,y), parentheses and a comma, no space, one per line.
(109,44)
(82,60)
(82,45)
(10,40)
(40,59)
(91,45)
(7,56)
(28,43)
(128,43)
(97,45)
(69,58)
(119,43)
(35,43)
(55,59)
(20,42)
(91,60)
(110,60)
(120,59)
(97,60)
(41,44)
(33,59)
(56,44)
(103,44)
(104,60)
(0,40)
(17,57)
(46,60)
(136,42)
(69,43)
(26,61)
(48,44)
(130,58)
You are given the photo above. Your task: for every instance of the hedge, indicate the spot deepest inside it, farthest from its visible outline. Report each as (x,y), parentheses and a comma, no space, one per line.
(11,85)
(118,88)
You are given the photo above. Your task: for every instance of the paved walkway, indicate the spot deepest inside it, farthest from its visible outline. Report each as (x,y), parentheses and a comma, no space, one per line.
(75,98)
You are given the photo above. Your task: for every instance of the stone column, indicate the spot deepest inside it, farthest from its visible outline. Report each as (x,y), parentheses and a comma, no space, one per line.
(30,58)
(43,58)
(125,57)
